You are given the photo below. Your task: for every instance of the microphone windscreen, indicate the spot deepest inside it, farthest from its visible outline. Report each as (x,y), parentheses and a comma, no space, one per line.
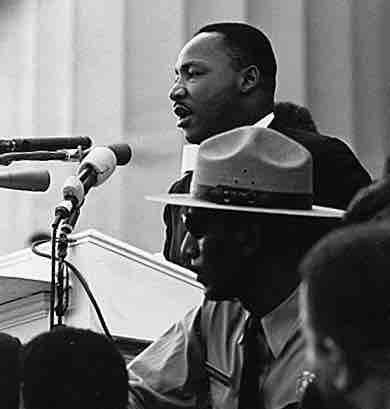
(32,180)
(122,153)
(103,162)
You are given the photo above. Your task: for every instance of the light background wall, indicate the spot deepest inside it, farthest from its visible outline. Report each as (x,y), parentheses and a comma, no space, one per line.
(99,68)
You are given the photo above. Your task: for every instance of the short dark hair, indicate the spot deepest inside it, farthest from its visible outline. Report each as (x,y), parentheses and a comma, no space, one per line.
(348,285)
(73,368)
(290,115)
(248,45)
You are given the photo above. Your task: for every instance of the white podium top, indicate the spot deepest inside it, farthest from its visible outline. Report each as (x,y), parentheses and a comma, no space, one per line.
(140,294)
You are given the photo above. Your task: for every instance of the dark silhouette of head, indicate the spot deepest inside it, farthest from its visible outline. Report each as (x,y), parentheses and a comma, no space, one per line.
(73,368)
(346,304)
(290,115)
(10,351)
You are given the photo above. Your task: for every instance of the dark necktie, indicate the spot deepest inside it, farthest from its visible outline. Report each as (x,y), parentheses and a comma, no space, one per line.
(256,358)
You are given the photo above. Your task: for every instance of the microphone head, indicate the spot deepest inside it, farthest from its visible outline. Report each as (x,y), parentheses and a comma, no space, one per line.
(32,180)
(73,189)
(122,153)
(85,141)
(102,161)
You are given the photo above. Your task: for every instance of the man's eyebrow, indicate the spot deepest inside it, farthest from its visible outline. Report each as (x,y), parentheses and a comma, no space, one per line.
(188,64)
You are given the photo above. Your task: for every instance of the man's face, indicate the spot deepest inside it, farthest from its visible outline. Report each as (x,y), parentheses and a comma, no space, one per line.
(214,248)
(205,93)
(317,356)
(312,352)
(327,360)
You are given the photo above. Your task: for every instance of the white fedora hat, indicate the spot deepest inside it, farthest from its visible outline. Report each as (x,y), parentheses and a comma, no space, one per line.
(252,169)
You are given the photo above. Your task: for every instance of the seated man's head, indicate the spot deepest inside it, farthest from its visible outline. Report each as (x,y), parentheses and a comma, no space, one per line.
(250,215)
(224,78)
(234,254)
(73,368)
(346,309)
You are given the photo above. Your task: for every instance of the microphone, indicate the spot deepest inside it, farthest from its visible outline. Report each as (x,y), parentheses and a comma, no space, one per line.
(32,180)
(95,169)
(49,143)
(122,152)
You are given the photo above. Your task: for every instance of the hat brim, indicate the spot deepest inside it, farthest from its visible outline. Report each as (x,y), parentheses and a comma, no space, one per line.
(185,199)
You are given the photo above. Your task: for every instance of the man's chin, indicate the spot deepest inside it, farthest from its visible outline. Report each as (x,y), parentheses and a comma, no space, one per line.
(215,294)
(195,136)
(192,138)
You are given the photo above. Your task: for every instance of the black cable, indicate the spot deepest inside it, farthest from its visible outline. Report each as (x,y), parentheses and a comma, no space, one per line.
(84,283)
(81,279)
(53,272)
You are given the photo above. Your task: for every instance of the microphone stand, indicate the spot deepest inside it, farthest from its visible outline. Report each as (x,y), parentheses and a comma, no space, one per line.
(60,282)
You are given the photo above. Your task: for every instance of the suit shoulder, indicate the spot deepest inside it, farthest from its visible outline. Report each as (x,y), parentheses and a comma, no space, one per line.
(318,140)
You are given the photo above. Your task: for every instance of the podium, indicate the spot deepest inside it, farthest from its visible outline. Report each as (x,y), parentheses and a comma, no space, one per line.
(140,294)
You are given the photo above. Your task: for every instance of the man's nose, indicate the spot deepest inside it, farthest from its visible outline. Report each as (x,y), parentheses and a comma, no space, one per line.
(177,91)
(189,249)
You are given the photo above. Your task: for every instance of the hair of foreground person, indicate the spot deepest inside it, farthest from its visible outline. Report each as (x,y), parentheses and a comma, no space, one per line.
(73,368)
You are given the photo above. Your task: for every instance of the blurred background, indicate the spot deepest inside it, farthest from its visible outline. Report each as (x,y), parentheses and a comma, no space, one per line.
(103,68)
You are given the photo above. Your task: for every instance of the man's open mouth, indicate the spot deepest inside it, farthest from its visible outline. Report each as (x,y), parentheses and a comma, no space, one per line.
(183,113)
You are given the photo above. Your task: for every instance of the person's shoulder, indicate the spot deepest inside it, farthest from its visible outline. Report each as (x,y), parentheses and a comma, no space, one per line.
(328,146)
(316,139)
(339,173)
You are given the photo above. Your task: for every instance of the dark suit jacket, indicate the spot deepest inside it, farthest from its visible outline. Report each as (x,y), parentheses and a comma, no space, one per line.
(337,176)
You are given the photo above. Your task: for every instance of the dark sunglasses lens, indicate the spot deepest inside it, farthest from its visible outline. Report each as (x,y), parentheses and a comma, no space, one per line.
(196,224)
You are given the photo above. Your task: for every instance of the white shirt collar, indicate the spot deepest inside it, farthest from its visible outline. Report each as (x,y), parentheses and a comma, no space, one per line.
(265,122)
(190,151)
(188,157)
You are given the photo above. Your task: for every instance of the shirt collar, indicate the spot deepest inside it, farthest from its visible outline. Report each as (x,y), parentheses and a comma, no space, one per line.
(191,150)
(188,158)
(264,122)
(282,323)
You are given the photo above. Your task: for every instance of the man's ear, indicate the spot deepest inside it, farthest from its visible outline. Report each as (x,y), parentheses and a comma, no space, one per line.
(250,78)
(336,358)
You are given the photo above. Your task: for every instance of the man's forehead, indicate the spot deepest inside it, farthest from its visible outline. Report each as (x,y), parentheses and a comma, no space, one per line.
(202,47)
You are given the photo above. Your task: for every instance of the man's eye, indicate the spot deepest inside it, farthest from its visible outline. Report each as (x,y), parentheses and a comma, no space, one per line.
(193,226)
(194,73)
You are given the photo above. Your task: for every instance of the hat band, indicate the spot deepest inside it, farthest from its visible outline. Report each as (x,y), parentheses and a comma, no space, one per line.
(257,198)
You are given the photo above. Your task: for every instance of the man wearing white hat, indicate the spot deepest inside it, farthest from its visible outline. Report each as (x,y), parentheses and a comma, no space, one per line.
(250,217)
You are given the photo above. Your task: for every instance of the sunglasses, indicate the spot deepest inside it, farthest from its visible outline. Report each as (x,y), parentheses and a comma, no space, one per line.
(199,221)
(196,222)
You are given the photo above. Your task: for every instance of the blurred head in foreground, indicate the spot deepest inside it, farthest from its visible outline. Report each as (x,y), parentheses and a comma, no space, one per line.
(346,311)
(10,348)
(73,368)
